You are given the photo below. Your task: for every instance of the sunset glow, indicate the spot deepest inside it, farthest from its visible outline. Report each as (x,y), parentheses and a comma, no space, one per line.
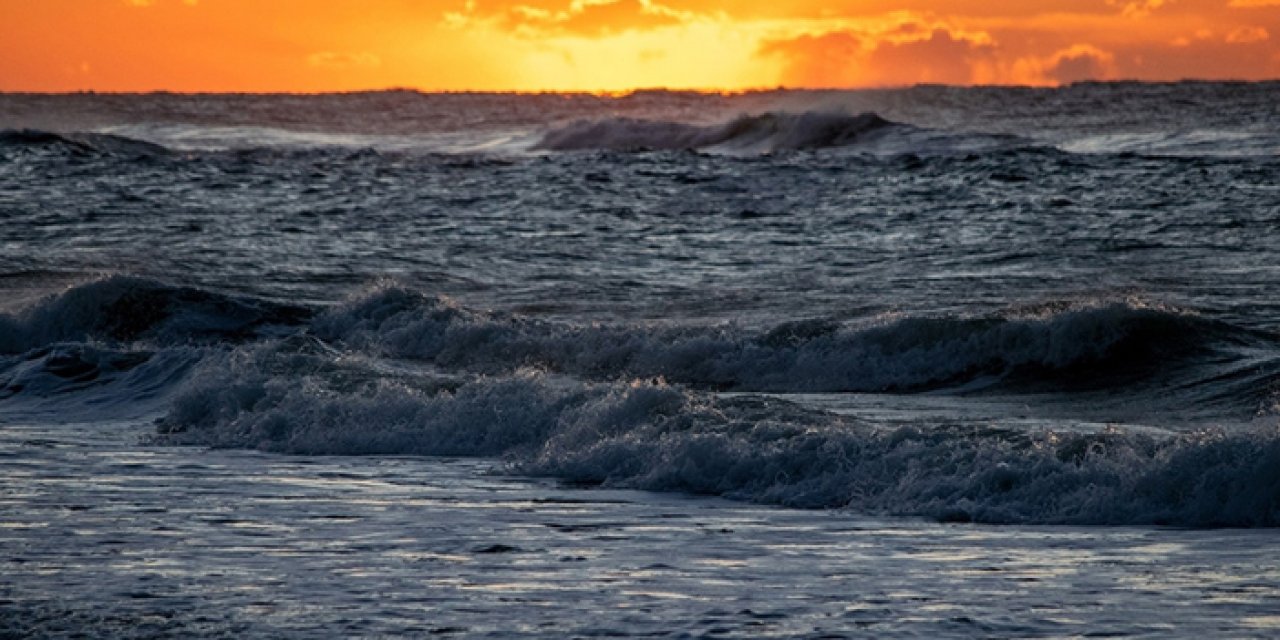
(615,45)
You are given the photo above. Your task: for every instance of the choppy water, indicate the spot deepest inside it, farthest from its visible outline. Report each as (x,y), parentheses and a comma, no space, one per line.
(1026,307)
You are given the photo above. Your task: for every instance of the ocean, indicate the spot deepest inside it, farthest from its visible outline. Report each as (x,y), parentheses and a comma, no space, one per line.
(932,361)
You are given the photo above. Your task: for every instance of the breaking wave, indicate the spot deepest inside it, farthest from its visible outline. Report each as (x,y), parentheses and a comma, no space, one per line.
(401,373)
(79,143)
(119,346)
(77,381)
(649,435)
(747,133)
(1132,351)
(1086,346)
(124,309)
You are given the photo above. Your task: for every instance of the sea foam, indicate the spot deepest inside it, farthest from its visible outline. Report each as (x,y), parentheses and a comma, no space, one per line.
(637,405)
(650,435)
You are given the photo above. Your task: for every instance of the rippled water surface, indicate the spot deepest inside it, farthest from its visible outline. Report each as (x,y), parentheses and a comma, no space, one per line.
(931,361)
(129,541)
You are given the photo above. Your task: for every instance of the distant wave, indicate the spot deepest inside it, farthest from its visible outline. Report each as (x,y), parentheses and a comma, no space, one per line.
(149,140)
(651,436)
(123,309)
(765,132)
(1084,346)
(1189,144)
(1200,119)
(747,134)
(79,142)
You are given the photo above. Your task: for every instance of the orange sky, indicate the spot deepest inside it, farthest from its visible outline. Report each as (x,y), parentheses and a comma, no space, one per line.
(611,45)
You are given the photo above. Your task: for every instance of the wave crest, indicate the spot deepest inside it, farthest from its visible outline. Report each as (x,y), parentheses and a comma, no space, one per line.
(649,435)
(91,383)
(123,309)
(775,131)
(80,143)
(1081,347)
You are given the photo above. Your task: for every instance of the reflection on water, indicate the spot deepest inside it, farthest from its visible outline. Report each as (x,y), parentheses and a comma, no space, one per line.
(178,541)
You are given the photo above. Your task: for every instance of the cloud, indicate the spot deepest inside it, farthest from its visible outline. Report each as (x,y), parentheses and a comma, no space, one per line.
(914,50)
(1248,35)
(586,18)
(1137,8)
(1080,62)
(1077,63)
(607,17)
(1186,41)
(823,60)
(941,57)
(621,44)
(343,61)
(143,4)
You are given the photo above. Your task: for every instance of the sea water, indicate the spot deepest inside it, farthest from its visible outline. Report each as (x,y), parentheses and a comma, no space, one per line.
(930,361)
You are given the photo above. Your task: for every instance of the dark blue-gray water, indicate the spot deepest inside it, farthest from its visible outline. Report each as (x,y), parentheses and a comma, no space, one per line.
(667,365)
(1003,305)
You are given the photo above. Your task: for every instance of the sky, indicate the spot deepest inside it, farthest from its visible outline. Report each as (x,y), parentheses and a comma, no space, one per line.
(619,45)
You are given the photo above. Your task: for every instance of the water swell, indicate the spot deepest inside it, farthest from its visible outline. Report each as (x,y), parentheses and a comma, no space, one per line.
(401,373)
(653,436)
(1122,347)
(79,143)
(87,382)
(118,347)
(123,309)
(1087,346)
(762,133)
(774,131)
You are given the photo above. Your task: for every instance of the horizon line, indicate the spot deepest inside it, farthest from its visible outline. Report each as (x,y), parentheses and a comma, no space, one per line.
(623,93)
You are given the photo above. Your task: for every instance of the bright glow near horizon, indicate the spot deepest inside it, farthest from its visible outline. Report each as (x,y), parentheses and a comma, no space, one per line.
(616,45)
